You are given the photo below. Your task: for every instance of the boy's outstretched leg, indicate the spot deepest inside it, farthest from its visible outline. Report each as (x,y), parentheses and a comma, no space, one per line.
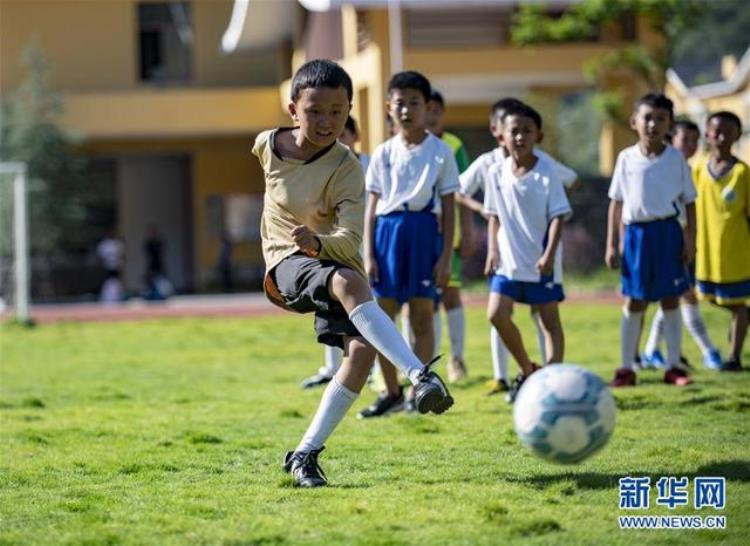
(351,289)
(338,397)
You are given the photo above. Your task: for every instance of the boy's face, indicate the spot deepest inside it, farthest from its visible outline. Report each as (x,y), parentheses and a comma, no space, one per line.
(321,114)
(652,124)
(407,108)
(434,117)
(686,141)
(721,134)
(520,135)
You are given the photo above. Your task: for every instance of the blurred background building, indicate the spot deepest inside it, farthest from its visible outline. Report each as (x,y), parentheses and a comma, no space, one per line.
(166,97)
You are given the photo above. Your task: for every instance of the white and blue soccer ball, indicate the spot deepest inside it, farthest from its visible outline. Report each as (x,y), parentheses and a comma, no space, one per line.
(564,413)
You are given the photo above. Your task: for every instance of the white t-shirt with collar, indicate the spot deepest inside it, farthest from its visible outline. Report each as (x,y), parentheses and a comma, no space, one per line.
(475,176)
(525,207)
(651,188)
(409,178)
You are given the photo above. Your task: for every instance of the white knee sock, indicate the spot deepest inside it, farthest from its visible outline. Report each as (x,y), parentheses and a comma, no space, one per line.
(673,336)
(499,355)
(382,334)
(457,331)
(630,329)
(693,320)
(334,404)
(656,332)
(406,332)
(540,339)
(437,328)
(334,356)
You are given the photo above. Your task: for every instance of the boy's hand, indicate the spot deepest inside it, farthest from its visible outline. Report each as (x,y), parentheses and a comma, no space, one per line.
(305,239)
(545,264)
(492,262)
(442,270)
(371,268)
(688,251)
(611,258)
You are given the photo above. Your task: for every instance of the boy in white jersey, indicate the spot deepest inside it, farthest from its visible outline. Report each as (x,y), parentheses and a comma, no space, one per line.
(526,204)
(650,184)
(311,229)
(474,179)
(410,181)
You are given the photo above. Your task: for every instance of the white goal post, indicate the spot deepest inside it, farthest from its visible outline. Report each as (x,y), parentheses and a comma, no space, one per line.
(20,238)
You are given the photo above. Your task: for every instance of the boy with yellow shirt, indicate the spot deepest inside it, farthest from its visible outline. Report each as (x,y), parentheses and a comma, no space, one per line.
(311,230)
(722,266)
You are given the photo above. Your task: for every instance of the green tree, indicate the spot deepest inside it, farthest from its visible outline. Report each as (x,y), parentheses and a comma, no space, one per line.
(30,132)
(583,21)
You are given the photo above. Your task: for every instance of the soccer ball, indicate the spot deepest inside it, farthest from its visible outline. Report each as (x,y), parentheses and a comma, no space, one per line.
(564,413)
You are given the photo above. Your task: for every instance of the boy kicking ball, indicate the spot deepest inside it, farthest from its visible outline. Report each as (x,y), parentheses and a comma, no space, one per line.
(312,230)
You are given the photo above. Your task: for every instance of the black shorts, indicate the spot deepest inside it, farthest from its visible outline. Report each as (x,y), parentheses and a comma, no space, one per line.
(303,283)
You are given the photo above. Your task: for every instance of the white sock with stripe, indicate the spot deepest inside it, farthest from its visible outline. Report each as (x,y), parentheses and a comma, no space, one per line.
(673,336)
(499,355)
(656,332)
(693,320)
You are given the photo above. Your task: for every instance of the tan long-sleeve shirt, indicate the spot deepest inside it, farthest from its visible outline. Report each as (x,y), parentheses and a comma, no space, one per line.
(325,194)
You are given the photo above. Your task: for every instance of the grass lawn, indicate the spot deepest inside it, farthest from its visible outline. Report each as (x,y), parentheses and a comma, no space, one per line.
(172,432)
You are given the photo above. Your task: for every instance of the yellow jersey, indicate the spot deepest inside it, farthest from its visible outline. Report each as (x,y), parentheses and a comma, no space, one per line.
(723,224)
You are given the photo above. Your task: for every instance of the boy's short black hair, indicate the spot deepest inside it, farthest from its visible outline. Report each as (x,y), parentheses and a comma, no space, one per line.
(503,104)
(727,116)
(685,124)
(321,73)
(410,79)
(524,110)
(436,96)
(351,125)
(655,100)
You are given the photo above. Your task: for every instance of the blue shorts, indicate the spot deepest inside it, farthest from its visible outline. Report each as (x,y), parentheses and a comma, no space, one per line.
(532,293)
(407,247)
(652,266)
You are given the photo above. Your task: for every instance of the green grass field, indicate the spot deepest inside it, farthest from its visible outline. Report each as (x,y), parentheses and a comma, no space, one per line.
(172,432)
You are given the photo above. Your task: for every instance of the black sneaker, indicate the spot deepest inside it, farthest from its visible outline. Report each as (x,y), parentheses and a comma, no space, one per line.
(304,468)
(431,394)
(516,385)
(316,380)
(731,365)
(385,404)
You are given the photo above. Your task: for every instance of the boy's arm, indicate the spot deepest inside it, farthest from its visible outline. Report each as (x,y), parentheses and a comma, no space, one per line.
(688,247)
(493,254)
(470,203)
(614,216)
(344,240)
(465,216)
(442,271)
(546,263)
(371,264)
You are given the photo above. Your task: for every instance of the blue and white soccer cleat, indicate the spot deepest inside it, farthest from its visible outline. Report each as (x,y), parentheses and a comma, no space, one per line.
(653,360)
(712,360)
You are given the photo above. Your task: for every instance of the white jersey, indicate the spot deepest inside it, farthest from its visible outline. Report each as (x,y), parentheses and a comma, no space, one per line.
(525,207)
(651,189)
(414,178)
(474,177)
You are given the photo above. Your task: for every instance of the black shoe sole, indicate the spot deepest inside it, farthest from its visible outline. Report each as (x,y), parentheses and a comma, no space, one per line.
(434,402)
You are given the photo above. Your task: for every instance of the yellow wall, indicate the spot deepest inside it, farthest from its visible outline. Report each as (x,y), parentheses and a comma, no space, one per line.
(219,166)
(93,45)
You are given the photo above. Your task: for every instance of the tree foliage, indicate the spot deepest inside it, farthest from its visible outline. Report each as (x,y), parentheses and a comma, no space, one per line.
(30,133)
(583,21)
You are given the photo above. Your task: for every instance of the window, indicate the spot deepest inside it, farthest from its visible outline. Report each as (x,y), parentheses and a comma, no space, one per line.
(165,40)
